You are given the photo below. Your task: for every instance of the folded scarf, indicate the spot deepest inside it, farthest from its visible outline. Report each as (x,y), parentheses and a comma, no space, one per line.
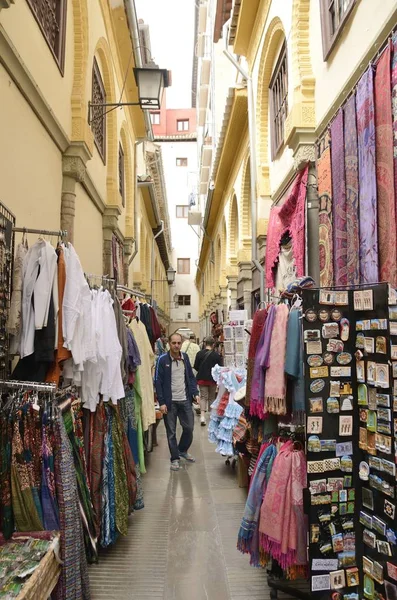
(294,364)
(256,331)
(281,524)
(253,504)
(275,391)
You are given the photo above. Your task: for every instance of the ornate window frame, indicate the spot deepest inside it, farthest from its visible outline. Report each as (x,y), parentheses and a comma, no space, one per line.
(98,118)
(330,30)
(50,16)
(278,90)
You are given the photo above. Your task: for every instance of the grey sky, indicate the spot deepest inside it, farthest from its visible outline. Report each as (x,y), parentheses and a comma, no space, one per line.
(171,25)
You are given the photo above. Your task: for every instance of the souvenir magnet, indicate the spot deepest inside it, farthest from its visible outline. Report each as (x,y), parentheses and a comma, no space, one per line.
(336,314)
(337,579)
(314,425)
(345,425)
(317,372)
(323,315)
(315,360)
(344,329)
(316,405)
(381,345)
(389,509)
(344,358)
(330,330)
(317,386)
(359,355)
(346,403)
(329,358)
(313,444)
(332,405)
(311,315)
(335,345)
(311,335)
(363,471)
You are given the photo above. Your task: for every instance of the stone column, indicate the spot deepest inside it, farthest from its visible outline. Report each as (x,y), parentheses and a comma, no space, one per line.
(223,301)
(74,164)
(232,286)
(245,270)
(109,226)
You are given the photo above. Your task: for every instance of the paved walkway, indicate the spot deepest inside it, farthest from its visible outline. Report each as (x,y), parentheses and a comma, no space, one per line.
(182,545)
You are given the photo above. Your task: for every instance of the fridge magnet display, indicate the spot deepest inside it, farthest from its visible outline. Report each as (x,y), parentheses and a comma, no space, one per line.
(395,425)
(335,345)
(362,395)
(383,443)
(344,358)
(391,537)
(382,400)
(383,428)
(316,405)
(344,329)
(369,345)
(346,464)
(317,386)
(314,347)
(363,415)
(393,328)
(371,371)
(358,355)
(313,444)
(363,438)
(383,547)
(363,473)
(318,486)
(345,425)
(395,388)
(332,405)
(346,403)
(316,372)
(381,345)
(311,315)
(340,372)
(360,371)
(365,519)
(337,579)
(363,300)
(369,587)
(388,467)
(330,330)
(334,389)
(344,449)
(341,298)
(391,590)
(347,481)
(360,341)
(371,420)
(359,325)
(326,297)
(352,577)
(315,466)
(329,358)
(378,525)
(342,495)
(391,571)
(328,445)
(314,424)
(368,565)
(336,314)
(320,583)
(369,538)
(311,335)
(372,399)
(315,360)
(367,498)
(324,315)
(371,449)
(378,572)
(324,564)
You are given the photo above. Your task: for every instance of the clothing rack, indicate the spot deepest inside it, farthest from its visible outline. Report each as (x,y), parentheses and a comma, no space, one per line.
(59,233)
(29,385)
(123,288)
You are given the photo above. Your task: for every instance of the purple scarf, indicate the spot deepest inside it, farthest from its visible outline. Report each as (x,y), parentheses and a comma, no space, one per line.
(351,166)
(339,200)
(261,363)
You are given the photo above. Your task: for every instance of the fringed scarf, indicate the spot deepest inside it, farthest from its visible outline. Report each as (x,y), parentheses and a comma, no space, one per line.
(248,537)
(275,390)
(258,325)
(294,365)
(281,525)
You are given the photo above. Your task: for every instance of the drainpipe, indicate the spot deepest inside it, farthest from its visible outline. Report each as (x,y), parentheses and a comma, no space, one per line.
(134,32)
(152,262)
(253,183)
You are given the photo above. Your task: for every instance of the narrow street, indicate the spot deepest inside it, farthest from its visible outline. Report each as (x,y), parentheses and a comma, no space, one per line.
(183,544)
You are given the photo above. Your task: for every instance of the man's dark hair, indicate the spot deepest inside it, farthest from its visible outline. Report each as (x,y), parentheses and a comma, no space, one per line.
(209,341)
(172,335)
(192,336)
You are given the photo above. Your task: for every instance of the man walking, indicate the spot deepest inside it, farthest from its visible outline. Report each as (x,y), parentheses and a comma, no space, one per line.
(205,360)
(176,387)
(190,347)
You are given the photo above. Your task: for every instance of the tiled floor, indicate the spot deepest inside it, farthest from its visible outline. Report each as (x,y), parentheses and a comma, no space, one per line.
(182,545)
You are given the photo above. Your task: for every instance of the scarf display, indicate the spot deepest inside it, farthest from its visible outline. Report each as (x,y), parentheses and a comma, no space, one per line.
(289,217)
(257,382)
(351,167)
(326,244)
(282,527)
(294,365)
(394,102)
(275,388)
(369,270)
(339,208)
(258,325)
(387,236)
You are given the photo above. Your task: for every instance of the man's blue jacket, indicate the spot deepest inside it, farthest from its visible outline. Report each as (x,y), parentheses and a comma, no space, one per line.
(162,379)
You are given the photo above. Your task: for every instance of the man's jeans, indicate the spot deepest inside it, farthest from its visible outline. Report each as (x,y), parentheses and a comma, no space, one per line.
(184,411)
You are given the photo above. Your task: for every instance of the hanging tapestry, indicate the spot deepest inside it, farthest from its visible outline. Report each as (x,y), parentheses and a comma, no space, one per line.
(289,217)
(351,168)
(339,200)
(394,105)
(384,170)
(324,179)
(367,190)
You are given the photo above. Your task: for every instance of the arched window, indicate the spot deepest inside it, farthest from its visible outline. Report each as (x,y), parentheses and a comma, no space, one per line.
(279,100)
(98,120)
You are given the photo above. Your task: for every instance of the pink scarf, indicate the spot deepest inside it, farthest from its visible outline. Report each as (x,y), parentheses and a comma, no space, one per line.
(275,387)
(282,524)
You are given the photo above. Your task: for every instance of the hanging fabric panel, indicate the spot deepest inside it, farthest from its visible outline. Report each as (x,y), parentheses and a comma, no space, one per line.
(339,200)
(326,245)
(394,105)
(384,170)
(366,161)
(351,168)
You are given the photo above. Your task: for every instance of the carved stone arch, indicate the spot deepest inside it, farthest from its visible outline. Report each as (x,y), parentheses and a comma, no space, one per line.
(233,230)
(81,131)
(102,51)
(128,181)
(274,34)
(245,211)
(302,112)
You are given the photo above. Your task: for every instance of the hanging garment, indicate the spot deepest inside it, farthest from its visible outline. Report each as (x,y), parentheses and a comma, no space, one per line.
(352,214)
(279,520)
(275,388)
(258,379)
(48,492)
(285,271)
(73,583)
(127,413)
(145,371)
(339,216)
(120,476)
(108,509)
(369,271)
(6,512)
(387,235)
(138,415)
(258,325)
(289,217)
(394,103)
(14,321)
(326,243)
(98,428)
(155,325)
(294,361)
(122,334)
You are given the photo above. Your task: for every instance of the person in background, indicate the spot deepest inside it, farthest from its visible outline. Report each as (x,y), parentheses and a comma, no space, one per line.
(191,348)
(176,388)
(205,361)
